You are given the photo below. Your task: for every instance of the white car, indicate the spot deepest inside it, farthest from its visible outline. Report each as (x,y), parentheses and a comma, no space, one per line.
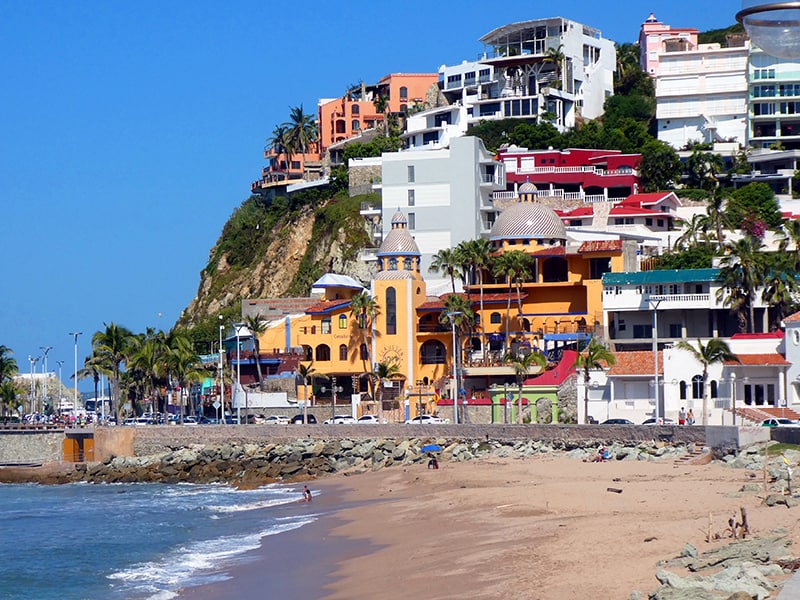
(427,420)
(370,419)
(339,420)
(778,422)
(276,420)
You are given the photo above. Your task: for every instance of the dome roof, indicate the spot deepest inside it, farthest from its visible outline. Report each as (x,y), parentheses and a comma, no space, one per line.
(527,187)
(398,218)
(398,241)
(528,220)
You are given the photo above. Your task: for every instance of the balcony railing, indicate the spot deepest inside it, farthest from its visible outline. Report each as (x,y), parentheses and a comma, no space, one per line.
(679,298)
(527,170)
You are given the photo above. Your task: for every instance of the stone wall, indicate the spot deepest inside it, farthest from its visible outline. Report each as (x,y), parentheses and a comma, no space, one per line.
(31,447)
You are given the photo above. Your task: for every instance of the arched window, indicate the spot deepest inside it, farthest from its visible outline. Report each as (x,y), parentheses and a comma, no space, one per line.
(342,321)
(403,93)
(697,387)
(683,387)
(714,389)
(343,352)
(340,126)
(308,353)
(356,125)
(364,352)
(355,109)
(391,311)
(495,318)
(432,352)
(323,353)
(407,262)
(393,264)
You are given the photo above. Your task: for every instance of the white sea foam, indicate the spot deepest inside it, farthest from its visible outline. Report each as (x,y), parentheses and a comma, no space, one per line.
(198,563)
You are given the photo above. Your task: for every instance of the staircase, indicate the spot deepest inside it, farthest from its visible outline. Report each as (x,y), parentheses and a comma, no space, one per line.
(696,456)
(753,415)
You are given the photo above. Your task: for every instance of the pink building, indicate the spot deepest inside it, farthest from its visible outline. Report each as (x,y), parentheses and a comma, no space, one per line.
(575,174)
(656,38)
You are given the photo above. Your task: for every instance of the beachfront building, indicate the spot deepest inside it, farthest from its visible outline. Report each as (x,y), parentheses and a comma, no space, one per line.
(774,92)
(446,194)
(656,39)
(551,68)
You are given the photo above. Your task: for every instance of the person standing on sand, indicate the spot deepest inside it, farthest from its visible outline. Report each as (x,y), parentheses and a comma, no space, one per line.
(690,417)
(682,417)
(306,494)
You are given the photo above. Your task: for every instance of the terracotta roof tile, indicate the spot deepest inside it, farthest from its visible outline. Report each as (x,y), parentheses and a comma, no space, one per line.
(793,318)
(639,362)
(601,246)
(759,360)
(320,308)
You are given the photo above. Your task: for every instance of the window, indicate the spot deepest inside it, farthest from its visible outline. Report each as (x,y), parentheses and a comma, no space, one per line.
(323,353)
(326,326)
(764,74)
(484,75)
(412,221)
(660,222)
(714,391)
(683,390)
(343,352)
(403,93)
(697,387)
(411,198)
(342,321)
(308,353)
(648,221)
(356,125)
(453,81)
(393,264)
(363,352)
(598,266)
(432,352)
(391,311)
(642,331)
(411,174)
(495,318)
(354,110)
(469,78)
(763,108)
(675,330)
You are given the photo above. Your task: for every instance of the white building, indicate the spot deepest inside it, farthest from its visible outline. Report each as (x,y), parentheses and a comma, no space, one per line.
(774,85)
(446,194)
(516,77)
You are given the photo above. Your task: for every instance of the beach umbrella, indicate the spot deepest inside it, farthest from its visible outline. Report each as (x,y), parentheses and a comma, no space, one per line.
(431,448)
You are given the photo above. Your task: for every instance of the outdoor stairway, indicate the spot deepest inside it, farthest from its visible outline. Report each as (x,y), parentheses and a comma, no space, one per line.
(696,456)
(752,415)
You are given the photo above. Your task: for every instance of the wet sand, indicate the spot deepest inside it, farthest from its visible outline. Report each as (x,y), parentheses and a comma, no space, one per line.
(543,528)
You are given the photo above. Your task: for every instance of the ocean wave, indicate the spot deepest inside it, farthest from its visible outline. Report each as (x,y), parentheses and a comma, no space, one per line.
(198,563)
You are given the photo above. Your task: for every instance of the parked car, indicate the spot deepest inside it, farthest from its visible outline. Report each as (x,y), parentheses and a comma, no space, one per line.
(617,422)
(370,419)
(779,422)
(652,421)
(277,420)
(339,420)
(190,420)
(298,420)
(427,420)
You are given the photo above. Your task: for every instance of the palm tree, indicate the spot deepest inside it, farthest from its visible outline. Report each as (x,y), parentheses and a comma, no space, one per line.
(257,326)
(515,267)
(792,228)
(301,132)
(384,371)
(8,396)
(592,357)
(457,311)
(112,347)
(8,364)
(364,308)
(556,56)
(381,104)
(715,351)
(742,270)
(779,292)
(185,365)
(696,227)
(91,368)
(446,260)
(522,364)
(146,364)
(307,373)
(717,216)
(479,254)
(277,142)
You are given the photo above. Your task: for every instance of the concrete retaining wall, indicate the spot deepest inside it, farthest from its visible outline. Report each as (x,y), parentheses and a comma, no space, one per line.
(31,446)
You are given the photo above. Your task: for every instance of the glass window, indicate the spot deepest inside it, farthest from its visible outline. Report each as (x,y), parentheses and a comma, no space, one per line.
(354,110)
(403,93)
(411,174)
(495,318)
(343,352)
(326,325)
(391,311)
(683,387)
(342,321)
(697,387)
(323,353)
(412,221)
(356,125)
(363,352)
(411,198)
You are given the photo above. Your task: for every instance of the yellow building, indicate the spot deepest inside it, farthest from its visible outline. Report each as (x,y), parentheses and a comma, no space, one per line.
(557,307)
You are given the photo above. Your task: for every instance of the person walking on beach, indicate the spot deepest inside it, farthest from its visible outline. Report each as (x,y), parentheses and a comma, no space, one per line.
(306,494)
(682,417)
(690,417)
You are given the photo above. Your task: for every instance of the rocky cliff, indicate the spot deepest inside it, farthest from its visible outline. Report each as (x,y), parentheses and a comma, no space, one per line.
(279,248)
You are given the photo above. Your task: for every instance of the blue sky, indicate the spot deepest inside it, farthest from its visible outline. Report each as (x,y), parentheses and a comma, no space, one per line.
(129,132)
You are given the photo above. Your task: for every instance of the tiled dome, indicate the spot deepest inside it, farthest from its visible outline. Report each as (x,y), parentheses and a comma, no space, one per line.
(527,187)
(398,240)
(528,220)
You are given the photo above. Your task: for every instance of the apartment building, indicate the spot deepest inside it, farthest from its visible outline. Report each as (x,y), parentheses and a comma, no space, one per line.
(551,68)
(774,92)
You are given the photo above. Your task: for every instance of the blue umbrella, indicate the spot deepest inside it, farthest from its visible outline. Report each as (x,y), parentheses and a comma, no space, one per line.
(431,448)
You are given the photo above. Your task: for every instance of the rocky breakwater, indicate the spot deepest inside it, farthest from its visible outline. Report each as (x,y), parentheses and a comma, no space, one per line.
(251,464)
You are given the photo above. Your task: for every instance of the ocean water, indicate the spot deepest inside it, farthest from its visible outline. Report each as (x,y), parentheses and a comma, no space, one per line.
(131,541)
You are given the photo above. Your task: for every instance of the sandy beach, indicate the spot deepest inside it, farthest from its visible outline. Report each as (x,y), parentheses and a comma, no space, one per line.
(544,527)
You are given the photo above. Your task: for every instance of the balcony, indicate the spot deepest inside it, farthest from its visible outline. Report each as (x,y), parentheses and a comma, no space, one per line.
(369,210)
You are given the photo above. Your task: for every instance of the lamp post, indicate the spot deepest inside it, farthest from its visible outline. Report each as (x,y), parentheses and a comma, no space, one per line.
(75,335)
(733,396)
(221,371)
(452,315)
(238,375)
(46,391)
(60,363)
(654,303)
(33,362)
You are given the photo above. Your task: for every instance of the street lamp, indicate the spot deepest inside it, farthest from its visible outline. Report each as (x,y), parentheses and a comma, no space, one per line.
(733,396)
(221,372)
(238,375)
(452,315)
(33,362)
(60,363)
(654,303)
(46,392)
(75,335)
(772,26)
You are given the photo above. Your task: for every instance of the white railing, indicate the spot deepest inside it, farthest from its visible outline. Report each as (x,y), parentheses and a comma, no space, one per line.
(681,298)
(524,170)
(503,195)
(558,193)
